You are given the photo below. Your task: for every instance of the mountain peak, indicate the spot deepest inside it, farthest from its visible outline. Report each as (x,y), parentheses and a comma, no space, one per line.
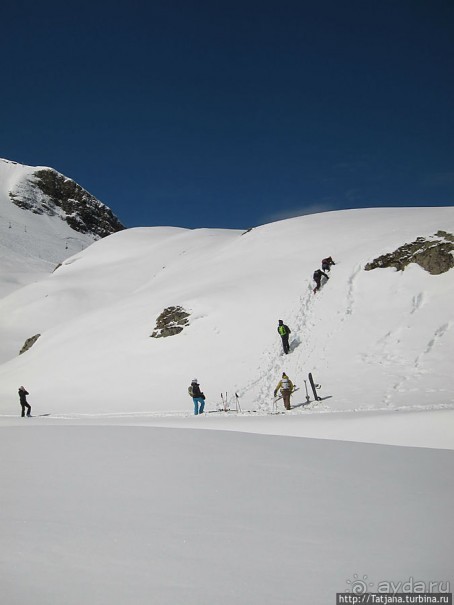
(43,190)
(45,218)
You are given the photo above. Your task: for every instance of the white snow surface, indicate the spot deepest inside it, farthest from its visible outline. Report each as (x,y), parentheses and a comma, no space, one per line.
(117,496)
(377,340)
(117,514)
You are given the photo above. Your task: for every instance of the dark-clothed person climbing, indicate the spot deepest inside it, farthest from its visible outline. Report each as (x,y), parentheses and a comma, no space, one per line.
(284,333)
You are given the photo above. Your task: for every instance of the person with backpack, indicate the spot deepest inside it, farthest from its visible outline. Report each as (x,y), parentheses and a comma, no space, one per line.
(317,278)
(23,401)
(197,397)
(326,263)
(286,387)
(284,333)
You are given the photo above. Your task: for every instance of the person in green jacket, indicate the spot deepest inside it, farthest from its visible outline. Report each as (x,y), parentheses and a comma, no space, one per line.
(284,333)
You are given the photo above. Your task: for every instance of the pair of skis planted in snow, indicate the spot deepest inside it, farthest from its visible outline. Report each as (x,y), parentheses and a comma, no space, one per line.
(225,406)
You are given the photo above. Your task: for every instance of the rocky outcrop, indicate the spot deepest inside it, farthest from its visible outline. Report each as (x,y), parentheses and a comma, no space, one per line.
(171,321)
(47,191)
(29,343)
(434,254)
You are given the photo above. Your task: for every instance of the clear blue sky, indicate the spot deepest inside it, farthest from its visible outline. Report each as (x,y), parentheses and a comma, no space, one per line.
(231,114)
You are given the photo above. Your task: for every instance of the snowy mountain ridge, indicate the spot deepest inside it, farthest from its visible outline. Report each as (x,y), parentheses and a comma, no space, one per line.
(45,217)
(43,190)
(376,340)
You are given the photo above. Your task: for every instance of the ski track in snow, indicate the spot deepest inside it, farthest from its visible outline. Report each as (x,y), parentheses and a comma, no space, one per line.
(276,362)
(350,298)
(418,301)
(327,330)
(418,364)
(311,333)
(308,333)
(439,333)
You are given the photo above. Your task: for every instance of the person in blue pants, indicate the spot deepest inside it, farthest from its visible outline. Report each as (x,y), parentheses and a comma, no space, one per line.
(197,397)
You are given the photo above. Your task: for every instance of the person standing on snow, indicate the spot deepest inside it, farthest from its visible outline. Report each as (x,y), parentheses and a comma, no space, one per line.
(197,397)
(326,263)
(317,278)
(286,387)
(284,333)
(23,401)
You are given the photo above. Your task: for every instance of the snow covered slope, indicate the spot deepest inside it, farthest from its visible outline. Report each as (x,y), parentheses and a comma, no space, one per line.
(35,234)
(377,339)
(131,515)
(269,519)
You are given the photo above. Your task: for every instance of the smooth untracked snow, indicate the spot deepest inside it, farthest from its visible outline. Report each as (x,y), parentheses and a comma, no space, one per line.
(139,515)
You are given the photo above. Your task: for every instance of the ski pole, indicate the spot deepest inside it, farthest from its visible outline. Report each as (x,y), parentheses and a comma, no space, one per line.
(224,401)
(307,394)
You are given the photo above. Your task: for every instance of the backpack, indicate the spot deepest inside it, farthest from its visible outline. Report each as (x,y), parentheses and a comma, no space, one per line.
(285,384)
(190,391)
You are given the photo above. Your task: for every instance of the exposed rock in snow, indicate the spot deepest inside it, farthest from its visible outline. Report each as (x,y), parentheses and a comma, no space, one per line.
(171,321)
(46,191)
(435,255)
(29,343)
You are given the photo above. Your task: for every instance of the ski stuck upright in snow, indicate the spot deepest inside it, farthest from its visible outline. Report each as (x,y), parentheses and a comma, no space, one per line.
(314,387)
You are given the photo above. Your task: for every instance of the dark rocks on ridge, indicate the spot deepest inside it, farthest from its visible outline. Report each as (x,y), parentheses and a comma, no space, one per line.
(29,343)
(49,192)
(434,254)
